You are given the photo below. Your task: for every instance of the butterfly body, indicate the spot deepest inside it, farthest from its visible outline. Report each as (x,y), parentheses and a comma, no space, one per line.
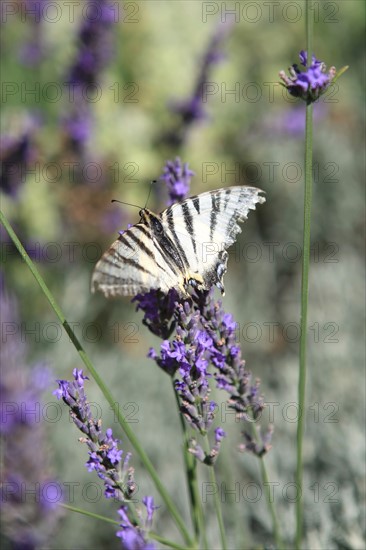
(185,244)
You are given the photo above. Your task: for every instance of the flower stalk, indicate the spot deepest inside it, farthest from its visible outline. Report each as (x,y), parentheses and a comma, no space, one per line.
(304,286)
(304,315)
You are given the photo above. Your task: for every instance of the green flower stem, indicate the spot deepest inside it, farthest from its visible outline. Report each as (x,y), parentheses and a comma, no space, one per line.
(303,321)
(271,506)
(151,535)
(267,490)
(165,542)
(89,514)
(190,464)
(87,362)
(304,285)
(216,497)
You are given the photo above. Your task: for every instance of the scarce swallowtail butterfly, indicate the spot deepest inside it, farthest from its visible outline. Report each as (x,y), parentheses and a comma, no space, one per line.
(185,244)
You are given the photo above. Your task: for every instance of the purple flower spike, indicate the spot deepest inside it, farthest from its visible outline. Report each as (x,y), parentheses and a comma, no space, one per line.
(150,508)
(26,460)
(204,339)
(95,49)
(259,446)
(159,311)
(199,347)
(193,109)
(219,434)
(133,537)
(311,83)
(177,177)
(105,458)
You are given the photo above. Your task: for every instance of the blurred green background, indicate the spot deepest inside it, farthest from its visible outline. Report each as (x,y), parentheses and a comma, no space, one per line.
(252,137)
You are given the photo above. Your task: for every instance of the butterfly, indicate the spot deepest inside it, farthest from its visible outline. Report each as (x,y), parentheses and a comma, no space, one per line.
(185,244)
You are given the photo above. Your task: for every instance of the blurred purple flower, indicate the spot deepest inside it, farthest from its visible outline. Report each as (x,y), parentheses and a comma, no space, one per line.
(95,48)
(133,537)
(78,121)
(259,446)
(192,109)
(33,50)
(150,509)
(286,123)
(28,522)
(177,177)
(311,83)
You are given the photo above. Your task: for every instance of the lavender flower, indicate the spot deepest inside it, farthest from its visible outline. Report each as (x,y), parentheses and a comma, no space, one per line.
(94,51)
(95,44)
(202,349)
(26,460)
(158,311)
(192,109)
(311,83)
(105,458)
(78,122)
(133,537)
(177,177)
(211,457)
(259,445)
(206,336)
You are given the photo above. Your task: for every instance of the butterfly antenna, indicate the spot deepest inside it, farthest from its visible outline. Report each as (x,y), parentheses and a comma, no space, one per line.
(135,205)
(151,184)
(127,203)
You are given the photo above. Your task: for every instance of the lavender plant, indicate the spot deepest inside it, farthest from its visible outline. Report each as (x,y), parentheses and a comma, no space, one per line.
(192,110)
(312,82)
(105,458)
(95,49)
(30,493)
(110,399)
(198,350)
(308,85)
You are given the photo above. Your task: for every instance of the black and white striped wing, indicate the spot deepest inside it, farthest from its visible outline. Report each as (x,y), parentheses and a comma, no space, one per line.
(206,225)
(185,244)
(133,265)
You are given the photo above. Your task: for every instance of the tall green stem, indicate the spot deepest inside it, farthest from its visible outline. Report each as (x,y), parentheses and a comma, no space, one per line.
(217,502)
(304,284)
(267,490)
(87,362)
(190,464)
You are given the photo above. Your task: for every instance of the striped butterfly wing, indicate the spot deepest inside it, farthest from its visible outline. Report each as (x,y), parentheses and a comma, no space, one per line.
(134,264)
(206,225)
(186,243)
